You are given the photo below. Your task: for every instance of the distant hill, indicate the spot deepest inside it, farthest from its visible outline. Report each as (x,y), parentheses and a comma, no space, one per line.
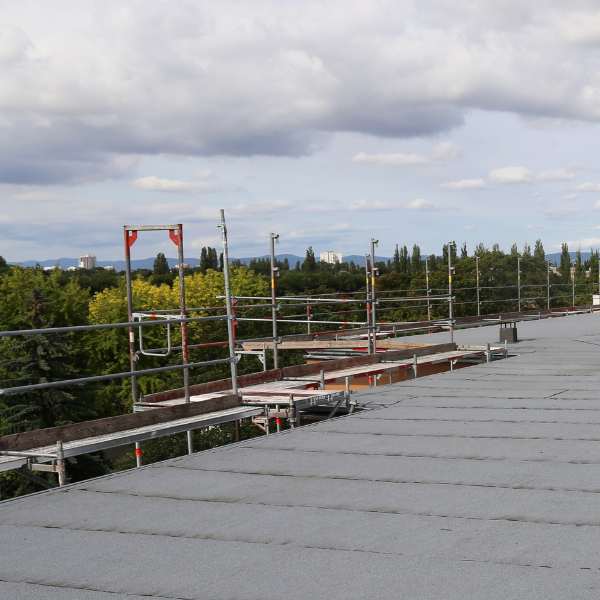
(554,257)
(147,263)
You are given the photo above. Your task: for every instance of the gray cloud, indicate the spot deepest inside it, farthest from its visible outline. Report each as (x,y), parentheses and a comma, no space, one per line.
(110,82)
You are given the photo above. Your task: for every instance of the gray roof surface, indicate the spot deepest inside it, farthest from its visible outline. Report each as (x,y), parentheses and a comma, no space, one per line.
(483,483)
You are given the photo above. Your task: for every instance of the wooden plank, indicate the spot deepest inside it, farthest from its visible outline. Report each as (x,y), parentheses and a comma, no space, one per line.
(76,431)
(298,371)
(329,344)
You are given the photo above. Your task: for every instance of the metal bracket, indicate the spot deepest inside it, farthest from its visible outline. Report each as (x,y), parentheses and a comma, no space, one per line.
(140,317)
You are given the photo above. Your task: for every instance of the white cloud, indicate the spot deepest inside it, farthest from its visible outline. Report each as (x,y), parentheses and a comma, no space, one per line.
(588,187)
(560,212)
(592,242)
(581,28)
(510,175)
(160,184)
(464,184)
(443,151)
(397,159)
(556,175)
(368,205)
(421,204)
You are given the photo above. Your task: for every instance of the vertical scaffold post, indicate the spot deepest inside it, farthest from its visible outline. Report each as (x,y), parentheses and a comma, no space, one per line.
(368,304)
(415,366)
(374,243)
(573,271)
(477,285)
(274,270)
(292,412)
(177,238)
(427,290)
(308,316)
(518,283)
(130,236)
(60,464)
(229,306)
(450,306)
(548,284)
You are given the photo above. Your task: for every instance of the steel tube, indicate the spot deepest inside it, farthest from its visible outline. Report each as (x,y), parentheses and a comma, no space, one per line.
(228,305)
(519,283)
(101,326)
(450,307)
(274,237)
(374,243)
(477,283)
(96,378)
(427,287)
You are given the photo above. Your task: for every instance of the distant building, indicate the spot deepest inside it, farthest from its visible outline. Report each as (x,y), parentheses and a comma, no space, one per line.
(87,262)
(331,257)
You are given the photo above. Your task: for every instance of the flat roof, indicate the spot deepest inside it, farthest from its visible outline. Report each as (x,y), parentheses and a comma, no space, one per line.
(482,483)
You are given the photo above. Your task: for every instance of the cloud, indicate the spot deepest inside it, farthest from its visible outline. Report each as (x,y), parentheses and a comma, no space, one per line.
(440,152)
(123,80)
(370,205)
(158,184)
(560,212)
(588,187)
(421,204)
(592,242)
(464,184)
(511,175)
(394,159)
(445,151)
(556,175)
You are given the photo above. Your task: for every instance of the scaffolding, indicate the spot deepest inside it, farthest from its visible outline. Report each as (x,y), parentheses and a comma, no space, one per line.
(367,349)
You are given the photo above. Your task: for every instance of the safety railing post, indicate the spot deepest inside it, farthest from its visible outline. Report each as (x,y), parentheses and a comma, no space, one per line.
(274,271)
(229,306)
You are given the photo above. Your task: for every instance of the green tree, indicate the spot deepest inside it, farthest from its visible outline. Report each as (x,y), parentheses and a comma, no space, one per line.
(161,266)
(30,298)
(396,260)
(415,259)
(310,262)
(565,262)
(538,250)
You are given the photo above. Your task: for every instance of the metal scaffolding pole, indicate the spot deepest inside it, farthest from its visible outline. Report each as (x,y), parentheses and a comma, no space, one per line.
(427,286)
(229,305)
(573,270)
(450,307)
(548,284)
(368,304)
(177,238)
(519,283)
(477,276)
(130,236)
(374,243)
(274,270)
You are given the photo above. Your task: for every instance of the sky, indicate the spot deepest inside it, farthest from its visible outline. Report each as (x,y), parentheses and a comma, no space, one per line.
(328,122)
